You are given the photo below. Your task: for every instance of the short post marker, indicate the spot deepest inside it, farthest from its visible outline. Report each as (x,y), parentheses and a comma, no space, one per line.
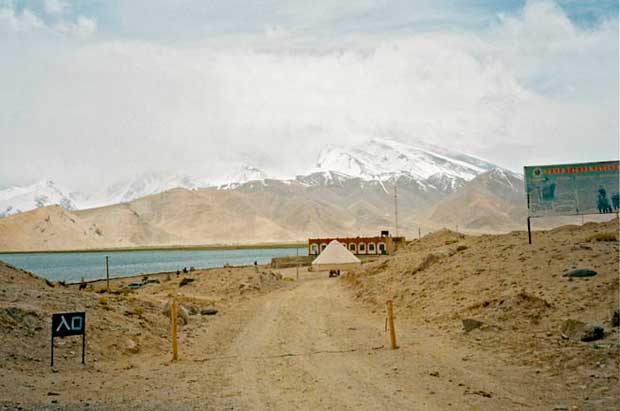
(390,320)
(173,322)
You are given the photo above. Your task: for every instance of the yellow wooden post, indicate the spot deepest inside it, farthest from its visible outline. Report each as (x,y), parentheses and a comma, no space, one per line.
(173,320)
(390,318)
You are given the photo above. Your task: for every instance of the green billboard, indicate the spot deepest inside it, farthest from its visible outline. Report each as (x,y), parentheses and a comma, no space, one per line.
(573,189)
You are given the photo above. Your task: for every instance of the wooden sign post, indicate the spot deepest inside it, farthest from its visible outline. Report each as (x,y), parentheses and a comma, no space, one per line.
(173,323)
(390,319)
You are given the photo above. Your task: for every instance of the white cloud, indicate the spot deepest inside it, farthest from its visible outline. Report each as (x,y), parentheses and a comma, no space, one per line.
(27,21)
(534,88)
(84,26)
(11,21)
(55,6)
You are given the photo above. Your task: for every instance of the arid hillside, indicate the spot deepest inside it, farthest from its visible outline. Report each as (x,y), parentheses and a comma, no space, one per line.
(321,204)
(518,300)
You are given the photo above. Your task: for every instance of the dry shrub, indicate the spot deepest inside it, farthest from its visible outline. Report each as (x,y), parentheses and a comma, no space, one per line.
(602,237)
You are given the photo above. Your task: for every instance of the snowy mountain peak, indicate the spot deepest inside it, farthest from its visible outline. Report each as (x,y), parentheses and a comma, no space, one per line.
(242,174)
(383,159)
(141,186)
(43,193)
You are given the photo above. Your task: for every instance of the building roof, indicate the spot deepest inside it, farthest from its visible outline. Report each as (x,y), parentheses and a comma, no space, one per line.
(336,253)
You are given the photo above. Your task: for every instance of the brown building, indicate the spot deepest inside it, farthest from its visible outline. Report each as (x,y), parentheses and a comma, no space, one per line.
(383,244)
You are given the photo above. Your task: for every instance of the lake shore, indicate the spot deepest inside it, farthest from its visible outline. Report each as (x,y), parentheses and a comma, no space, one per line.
(204,247)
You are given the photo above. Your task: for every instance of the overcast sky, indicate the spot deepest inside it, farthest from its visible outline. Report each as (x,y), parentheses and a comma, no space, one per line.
(92,91)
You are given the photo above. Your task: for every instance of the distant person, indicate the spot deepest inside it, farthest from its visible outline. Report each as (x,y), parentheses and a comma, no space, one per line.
(602,202)
(185,270)
(178,273)
(256,265)
(615,200)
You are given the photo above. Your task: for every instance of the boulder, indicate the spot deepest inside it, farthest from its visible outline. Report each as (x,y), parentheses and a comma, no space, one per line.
(572,328)
(592,333)
(208,311)
(186,281)
(615,318)
(182,312)
(578,330)
(580,272)
(471,324)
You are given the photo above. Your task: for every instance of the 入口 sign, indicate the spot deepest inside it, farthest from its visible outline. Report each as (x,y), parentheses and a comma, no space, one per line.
(68,324)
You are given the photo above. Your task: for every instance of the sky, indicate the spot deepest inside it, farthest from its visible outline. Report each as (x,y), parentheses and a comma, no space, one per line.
(95,91)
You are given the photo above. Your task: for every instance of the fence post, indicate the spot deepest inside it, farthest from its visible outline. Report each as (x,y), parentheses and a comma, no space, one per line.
(390,318)
(173,319)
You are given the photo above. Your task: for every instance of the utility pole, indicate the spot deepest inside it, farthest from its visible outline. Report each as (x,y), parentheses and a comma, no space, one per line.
(107,272)
(395,209)
(297,263)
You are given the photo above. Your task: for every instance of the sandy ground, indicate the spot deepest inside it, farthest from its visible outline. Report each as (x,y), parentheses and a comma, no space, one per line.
(313,343)
(305,346)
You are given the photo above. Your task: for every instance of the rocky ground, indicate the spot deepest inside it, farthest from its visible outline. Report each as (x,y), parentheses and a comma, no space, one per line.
(279,341)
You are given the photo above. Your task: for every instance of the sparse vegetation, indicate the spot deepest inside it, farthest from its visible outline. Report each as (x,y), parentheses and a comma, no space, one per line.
(602,237)
(103,300)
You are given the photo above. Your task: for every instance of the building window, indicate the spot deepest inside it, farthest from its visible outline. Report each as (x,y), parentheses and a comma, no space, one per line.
(382,248)
(352,248)
(362,248)
(371,248)
(323,246)
(314,249)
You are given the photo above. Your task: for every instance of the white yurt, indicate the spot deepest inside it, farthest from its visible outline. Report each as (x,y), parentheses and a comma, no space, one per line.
(335,257)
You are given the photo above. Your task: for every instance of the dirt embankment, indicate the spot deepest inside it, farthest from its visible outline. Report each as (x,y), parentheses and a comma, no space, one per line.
(521,297)
(123,327)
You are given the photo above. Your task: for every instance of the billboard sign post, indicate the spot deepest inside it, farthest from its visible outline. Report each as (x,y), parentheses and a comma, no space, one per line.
(572,189)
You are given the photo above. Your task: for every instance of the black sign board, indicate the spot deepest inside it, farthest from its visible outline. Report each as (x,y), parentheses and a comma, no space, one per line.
(68,324)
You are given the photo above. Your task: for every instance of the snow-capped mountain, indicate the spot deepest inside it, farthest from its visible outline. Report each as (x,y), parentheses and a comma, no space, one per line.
(141,186)
(380,159)
(429,171)
(17,199)
(242,174)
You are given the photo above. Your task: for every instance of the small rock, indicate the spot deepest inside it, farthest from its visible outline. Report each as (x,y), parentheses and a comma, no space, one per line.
(50,393)
(615,318)
(592,333)
(471,324)
(581,272)
(434,374)
(132,346)
(209,311)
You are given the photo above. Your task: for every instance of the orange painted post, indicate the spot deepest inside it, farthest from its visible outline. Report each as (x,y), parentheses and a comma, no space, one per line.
(173,320)
(390,319)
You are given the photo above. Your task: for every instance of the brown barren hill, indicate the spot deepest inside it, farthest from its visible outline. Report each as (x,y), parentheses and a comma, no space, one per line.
(519,297)
(492,202)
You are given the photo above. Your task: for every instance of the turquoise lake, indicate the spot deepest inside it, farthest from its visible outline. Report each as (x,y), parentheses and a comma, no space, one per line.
(73,266)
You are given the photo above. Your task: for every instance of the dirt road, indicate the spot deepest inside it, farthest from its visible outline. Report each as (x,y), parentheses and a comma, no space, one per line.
(307,345)
(311,347)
